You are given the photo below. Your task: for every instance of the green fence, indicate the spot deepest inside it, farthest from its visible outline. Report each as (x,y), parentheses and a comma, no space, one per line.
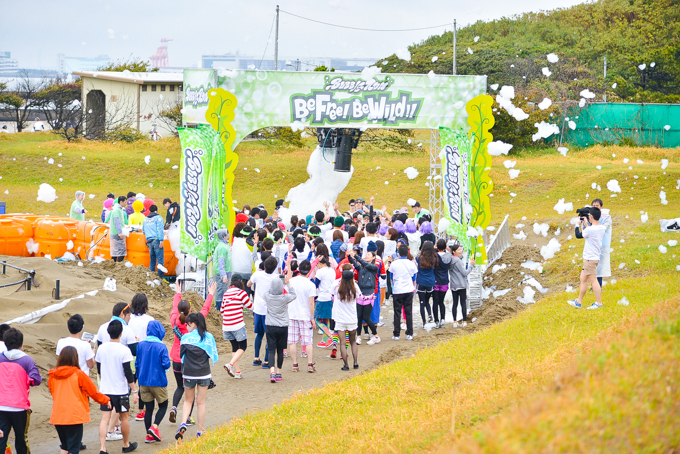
(642,124)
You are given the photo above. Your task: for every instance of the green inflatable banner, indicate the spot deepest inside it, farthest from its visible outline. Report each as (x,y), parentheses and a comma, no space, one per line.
(455,155)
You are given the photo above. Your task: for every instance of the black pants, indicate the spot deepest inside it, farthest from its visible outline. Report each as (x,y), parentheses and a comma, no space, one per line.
(19,422)
(71,437)
(179,392)
(364,315)
(162,408)
(599,279)
(424,294)
(404,300)
(459,295)
(438,305)
(277,339)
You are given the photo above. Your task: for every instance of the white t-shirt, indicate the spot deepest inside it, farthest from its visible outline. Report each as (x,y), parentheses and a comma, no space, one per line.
(84,348)
(241,257)
(3,347)
(402,276)
(111,356)
(390,247)
(328,236)
(139,323)
(304,289)
(326,277)
(263,282)
(364,243)
(127,338)
(593,246)
(344,312)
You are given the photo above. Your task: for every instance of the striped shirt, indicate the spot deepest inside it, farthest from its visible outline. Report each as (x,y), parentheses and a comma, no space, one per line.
(233,303)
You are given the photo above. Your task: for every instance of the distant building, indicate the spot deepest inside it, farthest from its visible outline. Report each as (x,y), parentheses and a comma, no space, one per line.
(69,65)
(7,64)
(130,98)
(236,61)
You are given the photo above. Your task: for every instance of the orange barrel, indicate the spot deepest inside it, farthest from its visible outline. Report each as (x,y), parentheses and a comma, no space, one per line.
(53,236)
(101,246)
(137,252)
(14,234)
(84,236)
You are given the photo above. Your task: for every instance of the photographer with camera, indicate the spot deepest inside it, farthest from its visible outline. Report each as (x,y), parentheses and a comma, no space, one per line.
(604,266)
(593,232)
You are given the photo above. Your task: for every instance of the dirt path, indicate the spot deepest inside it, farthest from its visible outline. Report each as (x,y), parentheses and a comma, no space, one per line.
(232,398)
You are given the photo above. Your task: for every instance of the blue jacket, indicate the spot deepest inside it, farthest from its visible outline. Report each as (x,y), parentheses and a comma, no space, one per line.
(152,357)
(153,227)
(425,276)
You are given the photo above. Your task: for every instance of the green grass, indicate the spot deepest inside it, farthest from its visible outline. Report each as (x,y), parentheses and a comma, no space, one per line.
(452,391)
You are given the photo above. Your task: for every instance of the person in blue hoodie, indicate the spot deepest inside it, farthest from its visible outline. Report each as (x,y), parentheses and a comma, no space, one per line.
(151,363)
(154,233)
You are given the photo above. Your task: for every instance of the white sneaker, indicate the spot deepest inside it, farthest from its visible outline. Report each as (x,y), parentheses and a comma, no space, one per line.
(441,323)
(403,326)
(367,336)
(462,324)
(455,324)
(409,338)
(237,375)
(358,340)
(380,324)
(113,436)
(118,430)
(374,340)
(320,331)
(395,338)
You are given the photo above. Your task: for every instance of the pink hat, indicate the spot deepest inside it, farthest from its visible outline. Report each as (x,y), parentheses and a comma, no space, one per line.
(282,226)
(108,203)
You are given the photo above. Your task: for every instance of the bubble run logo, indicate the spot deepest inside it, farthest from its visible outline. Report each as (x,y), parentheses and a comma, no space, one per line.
(192,185)
(197,97)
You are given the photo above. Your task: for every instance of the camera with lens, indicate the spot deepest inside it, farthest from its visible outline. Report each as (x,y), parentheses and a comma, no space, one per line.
(583,213)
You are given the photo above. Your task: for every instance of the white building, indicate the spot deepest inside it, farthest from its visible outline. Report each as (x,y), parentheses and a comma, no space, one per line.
(130,98)
(7,64)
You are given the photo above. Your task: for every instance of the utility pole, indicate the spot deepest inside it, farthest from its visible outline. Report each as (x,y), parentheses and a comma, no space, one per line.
(454,47)
(605,78)
(297,65)
(276,43)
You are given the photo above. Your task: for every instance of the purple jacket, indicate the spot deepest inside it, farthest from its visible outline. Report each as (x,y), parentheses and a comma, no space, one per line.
(129,208)
(18,373)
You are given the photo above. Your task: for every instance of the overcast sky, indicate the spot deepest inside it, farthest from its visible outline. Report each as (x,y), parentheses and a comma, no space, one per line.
(36,31)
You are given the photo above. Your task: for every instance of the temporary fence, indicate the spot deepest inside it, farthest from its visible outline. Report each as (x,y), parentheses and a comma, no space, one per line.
(622,123)
(499,243)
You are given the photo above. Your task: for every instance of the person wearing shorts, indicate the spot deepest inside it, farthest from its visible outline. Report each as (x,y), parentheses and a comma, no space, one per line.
(116,378)
(593,232)
(301,325)
(233,327)
(345,293)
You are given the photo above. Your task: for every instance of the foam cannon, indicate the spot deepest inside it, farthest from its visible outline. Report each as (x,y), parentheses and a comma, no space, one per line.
(341,141)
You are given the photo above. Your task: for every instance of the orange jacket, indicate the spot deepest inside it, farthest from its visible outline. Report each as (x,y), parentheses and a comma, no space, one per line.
(70,388)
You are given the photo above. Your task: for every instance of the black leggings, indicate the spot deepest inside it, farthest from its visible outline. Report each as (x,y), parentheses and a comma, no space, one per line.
(424,294)
(277,338)
(239,345)
(438,306)
(459,295)
(179,392)
(162,408)
(364,316)
(19,422)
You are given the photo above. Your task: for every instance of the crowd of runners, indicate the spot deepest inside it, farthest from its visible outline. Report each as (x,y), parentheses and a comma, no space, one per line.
(328,274)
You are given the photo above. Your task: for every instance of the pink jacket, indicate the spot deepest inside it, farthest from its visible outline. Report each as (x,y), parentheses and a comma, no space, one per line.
(182,327)
(18,373)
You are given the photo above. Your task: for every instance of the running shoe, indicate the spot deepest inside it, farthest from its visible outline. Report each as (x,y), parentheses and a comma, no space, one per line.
(272,378)
(180,432)
(257,362)
(358,340)
(113,436)
(304,353)
(296,368)
(320,331)
(367,336)
(574,303)
(374,340)
(380,324)
(310,368)
(199,434)
(429,319)
(455,324)
(149,439)
(334,353)
(154,432)
(279,377)
(265,365)
(403,326)
(229,368)
(594,306)
(326,344)
(285,353)
(463,324)
(131,447)
(173,415)
(118,430)
(191,421)
(237,375)
(140,416)
(395,338)
(409,337)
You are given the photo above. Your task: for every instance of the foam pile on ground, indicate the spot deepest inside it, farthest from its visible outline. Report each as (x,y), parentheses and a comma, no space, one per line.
(533,266)
(623,301)
(541,229)
(662,196)
(528,297)
(509,164)
(514,173)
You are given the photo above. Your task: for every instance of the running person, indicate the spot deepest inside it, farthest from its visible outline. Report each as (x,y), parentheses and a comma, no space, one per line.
(233,327)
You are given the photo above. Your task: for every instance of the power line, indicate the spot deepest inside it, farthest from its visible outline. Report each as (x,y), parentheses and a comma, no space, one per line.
(366,29)
(265,47)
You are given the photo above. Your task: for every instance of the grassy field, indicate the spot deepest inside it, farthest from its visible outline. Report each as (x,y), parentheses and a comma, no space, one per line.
(493,391)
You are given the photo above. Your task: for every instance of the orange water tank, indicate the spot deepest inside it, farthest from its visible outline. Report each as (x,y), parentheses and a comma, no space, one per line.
(138,253)
(53,236)
(14,234)
(102,247)
(85,231)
